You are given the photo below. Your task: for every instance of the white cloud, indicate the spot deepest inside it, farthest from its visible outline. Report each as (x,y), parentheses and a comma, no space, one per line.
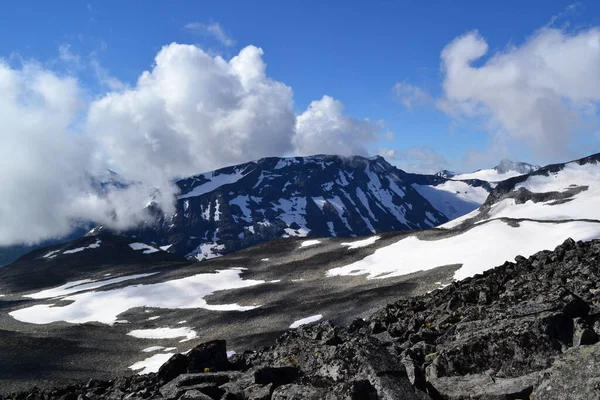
(539,93)
(65,54)
(190,113)
(410,95)
(420,159)
(43,162)
(213,29)
(193,113)
(324,129)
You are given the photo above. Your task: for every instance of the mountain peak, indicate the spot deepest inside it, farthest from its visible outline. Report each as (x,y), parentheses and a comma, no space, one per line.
(506,165)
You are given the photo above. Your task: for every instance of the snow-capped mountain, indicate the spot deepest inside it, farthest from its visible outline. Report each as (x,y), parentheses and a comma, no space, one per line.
(445,173)
(558,192)
(123,292)
(504,170)
(318,196)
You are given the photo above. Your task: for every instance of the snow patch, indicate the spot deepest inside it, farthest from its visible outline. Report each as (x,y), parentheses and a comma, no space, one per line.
(164,333)
(307,243)
(214,183)
(82,286)
(151,364)
(143,246)
(152,349)
(94,245)
(304,321)
(105,306)
(476,250)
(361,243)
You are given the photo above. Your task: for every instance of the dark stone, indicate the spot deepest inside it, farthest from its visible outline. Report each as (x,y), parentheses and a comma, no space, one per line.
(210,356)
(176,365)
(276,376)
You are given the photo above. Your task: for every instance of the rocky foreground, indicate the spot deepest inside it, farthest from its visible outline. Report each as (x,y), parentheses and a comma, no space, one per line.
(524,330)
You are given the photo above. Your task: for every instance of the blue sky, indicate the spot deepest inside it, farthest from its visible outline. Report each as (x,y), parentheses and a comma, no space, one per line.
(352,51)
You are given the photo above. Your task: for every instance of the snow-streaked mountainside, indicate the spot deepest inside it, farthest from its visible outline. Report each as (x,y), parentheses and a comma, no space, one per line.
(124,292)
(318,196)
(559,192)
(504,170)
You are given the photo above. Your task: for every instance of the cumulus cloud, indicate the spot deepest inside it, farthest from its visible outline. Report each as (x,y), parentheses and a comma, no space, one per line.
(323,129)
(213,29)
(190,113)
(46,189)
(410,95)
(540,93)
(420,159)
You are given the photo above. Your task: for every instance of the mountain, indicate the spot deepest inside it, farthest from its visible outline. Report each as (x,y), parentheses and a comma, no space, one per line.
(504,170)
(557,192)
(445,174)
(105,303)
(236,207)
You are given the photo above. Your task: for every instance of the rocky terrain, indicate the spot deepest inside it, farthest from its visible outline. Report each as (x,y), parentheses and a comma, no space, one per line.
(525,330)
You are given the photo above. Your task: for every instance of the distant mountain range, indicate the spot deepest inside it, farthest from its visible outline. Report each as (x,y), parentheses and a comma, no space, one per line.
(319,196)
(505,170)
(130,305)
(232,208)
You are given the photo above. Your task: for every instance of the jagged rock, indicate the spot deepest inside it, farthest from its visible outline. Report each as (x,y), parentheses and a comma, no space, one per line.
(576,376)
(482,386)
(258,392)
(195,395)
(205,382)
(297,392)
(583,334)
(529,337)
(276,376)
(360,389)
(210,356)
(176,365)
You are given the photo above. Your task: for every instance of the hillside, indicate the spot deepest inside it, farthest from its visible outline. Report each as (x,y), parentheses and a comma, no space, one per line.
(524,330)
(226,210)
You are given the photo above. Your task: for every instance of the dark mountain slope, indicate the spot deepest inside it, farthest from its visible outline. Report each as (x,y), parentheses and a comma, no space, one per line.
(319,196)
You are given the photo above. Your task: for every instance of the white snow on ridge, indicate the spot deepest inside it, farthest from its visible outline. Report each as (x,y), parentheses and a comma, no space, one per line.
(293,211)
(52,254)
(207,250)
(489,175)
(583,205)
(143,246)
(105,306)
(483,247)
(164,333)
(214,183)
(152,349)
(307,243)
(361,243)
(242,203)
(94,245)
(453,198)
(82,286)
(305,321)
(151,364)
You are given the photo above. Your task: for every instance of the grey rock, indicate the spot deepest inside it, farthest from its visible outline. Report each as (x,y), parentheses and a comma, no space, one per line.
(258,392)
(483,386)
(576,376)
(203,381)
(194,395)
(297,392)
